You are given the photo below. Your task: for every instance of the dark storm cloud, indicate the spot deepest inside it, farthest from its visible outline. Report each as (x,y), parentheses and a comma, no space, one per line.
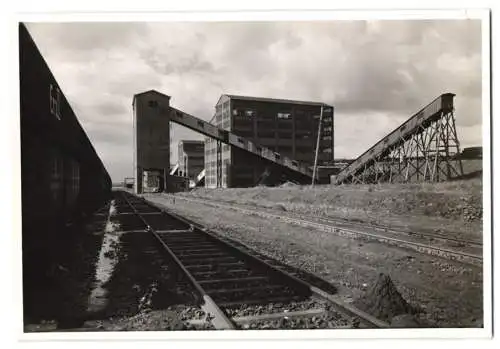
(376,73)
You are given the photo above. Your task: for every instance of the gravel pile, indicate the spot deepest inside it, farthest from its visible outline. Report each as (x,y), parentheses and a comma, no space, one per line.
(383,300)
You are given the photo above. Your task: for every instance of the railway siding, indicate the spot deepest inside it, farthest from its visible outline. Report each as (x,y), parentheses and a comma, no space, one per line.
(465,251)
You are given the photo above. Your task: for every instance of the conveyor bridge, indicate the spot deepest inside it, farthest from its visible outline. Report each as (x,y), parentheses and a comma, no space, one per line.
(424,148)
(297,171)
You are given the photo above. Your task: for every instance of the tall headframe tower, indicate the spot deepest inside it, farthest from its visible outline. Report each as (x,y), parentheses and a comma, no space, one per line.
(151,136)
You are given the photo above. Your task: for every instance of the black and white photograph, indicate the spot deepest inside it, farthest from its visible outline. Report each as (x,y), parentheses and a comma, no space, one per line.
(255,174)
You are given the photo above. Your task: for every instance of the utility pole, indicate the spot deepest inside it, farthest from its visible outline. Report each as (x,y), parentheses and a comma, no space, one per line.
(317,146)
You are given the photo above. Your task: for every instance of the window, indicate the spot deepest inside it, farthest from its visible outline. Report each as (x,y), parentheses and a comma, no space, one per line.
(75,178)
(249,113)
(285,135)
(284,116)
(55,101)
(235,112)
(56,184)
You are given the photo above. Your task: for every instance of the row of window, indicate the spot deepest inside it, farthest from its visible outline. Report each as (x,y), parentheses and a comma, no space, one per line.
(250,113)
(212,182)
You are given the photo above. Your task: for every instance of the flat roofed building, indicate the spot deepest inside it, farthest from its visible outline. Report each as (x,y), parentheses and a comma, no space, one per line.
(191,158)
(287,127)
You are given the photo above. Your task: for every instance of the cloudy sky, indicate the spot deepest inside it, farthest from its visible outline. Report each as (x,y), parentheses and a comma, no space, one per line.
(375,73)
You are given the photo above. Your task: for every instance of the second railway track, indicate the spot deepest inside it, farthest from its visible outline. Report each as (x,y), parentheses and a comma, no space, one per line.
(470,252)
(239,290)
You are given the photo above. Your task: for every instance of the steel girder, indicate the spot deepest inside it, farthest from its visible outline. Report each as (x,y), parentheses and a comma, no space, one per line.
(429,154)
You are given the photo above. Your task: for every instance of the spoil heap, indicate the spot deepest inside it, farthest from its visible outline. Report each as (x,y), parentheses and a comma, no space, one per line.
(383,300)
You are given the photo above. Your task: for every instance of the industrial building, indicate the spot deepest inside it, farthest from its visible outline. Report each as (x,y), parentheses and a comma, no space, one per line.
(287,127)
(152,145)
(191,158)
(273,141)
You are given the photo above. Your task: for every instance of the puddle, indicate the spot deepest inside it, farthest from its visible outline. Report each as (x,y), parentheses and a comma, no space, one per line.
(105,264)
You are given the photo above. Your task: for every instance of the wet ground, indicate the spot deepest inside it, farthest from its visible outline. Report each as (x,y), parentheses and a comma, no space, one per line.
(128,284)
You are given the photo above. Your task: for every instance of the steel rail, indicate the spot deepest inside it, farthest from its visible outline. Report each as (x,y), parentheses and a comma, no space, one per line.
(463,257)
(342,307)
(220,320)
(435,236)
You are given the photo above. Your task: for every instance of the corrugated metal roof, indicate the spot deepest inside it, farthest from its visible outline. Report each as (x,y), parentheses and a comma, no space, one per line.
(272,100)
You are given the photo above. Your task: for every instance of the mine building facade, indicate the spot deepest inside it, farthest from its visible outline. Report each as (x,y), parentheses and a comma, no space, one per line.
(287,127)
(191,158)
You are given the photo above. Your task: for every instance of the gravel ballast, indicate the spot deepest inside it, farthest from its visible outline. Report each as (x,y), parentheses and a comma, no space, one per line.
(448,293)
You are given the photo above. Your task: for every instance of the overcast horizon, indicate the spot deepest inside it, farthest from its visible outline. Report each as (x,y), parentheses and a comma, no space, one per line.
(375,73)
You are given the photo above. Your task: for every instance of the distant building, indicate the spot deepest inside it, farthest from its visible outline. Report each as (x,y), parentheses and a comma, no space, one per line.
(472,153)
(287,127)
(191,158)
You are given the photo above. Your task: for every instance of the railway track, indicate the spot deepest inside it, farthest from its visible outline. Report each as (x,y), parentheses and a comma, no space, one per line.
(237,289)
(464,251)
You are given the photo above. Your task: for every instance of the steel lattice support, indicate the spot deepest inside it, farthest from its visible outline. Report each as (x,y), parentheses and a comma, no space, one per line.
(429,154)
